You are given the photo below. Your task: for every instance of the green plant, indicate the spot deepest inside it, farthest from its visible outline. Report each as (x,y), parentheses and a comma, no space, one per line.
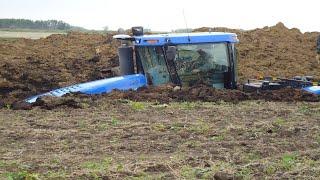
(304,109)
(218,138)
(270,169)
(318,138)
(279,122)
(102,126)
(177,126)
(82,124)
(137,106)
(288,161)
(188,172)
(201,127)
(159,127)
(22,175)
(120,167)
(114,121)
(56,175)
(245,173)
(8,106)
(98,167)
(187,105)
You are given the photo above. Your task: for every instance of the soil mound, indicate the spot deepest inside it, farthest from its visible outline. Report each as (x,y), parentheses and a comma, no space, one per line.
(30,67)
(168,94)
(33,66)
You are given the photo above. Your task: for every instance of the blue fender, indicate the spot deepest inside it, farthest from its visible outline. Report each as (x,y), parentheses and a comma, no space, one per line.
(313,89)
(98,87)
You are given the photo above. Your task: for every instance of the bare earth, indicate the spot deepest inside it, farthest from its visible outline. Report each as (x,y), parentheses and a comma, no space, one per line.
(121,139)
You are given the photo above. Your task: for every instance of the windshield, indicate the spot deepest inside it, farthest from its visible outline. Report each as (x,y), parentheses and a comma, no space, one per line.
(154,64)
(202,63)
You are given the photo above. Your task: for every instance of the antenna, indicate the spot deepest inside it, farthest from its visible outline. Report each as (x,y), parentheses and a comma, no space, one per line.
(185,21)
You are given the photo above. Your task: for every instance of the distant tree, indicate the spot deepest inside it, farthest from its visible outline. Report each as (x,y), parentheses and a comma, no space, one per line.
(106,28)
(38,24)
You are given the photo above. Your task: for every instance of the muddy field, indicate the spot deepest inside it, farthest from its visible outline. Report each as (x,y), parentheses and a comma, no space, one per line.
(121,139)
(29,67)
(157,132)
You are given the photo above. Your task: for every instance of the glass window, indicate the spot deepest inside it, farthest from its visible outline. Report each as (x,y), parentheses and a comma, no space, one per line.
(154,64)
(202,63)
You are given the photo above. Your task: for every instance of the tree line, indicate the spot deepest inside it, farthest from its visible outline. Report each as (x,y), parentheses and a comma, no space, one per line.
(38,24)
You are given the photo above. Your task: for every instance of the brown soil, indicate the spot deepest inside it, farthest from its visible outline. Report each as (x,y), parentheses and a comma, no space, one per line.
(118,139)
(166,94)
(34,66)
(29,67)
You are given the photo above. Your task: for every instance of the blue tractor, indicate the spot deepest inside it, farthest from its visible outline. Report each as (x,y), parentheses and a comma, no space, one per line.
(183,59)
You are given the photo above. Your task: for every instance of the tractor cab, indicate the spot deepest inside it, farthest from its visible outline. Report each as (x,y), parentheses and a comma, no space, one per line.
(184,59)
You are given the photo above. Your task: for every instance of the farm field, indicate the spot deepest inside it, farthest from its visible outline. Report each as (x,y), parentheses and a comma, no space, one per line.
(118,139)
(157,133)
(23,34)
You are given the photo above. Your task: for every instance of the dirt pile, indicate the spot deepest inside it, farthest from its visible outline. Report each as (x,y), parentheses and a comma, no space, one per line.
(167,94)
(29,67)
(275,51)
(33,66)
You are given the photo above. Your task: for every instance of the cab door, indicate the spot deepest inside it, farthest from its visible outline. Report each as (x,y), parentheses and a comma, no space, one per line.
(154,64)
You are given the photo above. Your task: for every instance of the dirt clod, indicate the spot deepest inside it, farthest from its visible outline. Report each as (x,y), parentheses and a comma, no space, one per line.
(69,100)
(166,94)
(21,105)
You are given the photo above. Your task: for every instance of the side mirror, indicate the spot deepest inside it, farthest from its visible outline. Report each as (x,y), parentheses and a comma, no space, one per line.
(171,52)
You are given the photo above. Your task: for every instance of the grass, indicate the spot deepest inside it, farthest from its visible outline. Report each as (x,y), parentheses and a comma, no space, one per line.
(218,137)
(56,175)
(288,161)
(245,173)
(98,168)
(114,121)
(137,106)
(201,127)
(23,175)
(159,127)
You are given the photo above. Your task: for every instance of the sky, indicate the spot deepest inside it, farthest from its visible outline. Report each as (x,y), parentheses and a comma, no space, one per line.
(166,15)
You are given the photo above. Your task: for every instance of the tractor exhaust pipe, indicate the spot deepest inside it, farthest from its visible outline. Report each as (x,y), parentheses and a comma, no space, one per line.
(125,52)
(126,63)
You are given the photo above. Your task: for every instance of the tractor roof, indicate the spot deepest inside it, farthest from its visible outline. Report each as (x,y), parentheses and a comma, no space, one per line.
(185,38)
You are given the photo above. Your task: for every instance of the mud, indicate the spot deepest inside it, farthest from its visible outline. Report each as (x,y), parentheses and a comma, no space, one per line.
(168,94)
(30,67)
(33,66)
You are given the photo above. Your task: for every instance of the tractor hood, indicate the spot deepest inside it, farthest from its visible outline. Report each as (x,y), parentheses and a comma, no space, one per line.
(98,87)
(313,89)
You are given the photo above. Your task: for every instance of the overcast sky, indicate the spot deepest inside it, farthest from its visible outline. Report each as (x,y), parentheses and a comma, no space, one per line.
(168,14)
